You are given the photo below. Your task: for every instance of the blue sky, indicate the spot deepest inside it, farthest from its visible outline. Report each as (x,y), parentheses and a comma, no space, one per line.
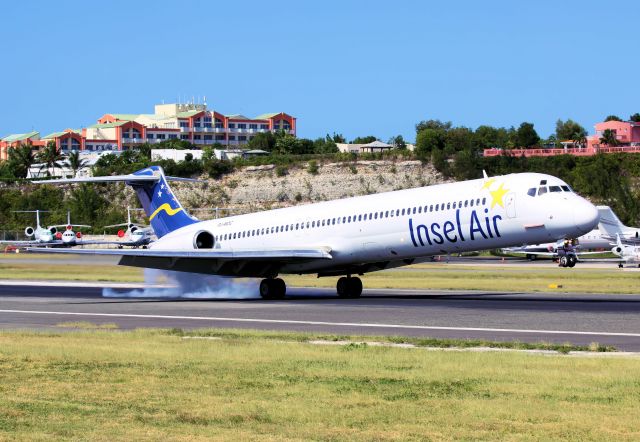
(352,67)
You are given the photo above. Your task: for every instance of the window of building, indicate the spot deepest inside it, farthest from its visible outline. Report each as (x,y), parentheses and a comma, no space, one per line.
(264,126)
(253,126)
(160,136)
(149,136)
(208,137)
(184,137)
(197,137)
(173,136)
(232,137)
(242,138)
(242,126)
(232,125)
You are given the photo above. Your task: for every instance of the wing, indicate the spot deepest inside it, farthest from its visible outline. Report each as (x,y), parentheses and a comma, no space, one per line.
(34,243)
(239,262)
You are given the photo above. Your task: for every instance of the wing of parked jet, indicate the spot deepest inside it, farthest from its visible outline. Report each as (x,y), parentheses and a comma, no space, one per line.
(243,262)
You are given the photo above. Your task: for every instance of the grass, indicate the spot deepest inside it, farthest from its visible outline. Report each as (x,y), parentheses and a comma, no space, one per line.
(66,272)
(155,385)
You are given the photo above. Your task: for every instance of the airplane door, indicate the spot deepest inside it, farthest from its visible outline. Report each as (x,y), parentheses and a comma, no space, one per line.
(510,205)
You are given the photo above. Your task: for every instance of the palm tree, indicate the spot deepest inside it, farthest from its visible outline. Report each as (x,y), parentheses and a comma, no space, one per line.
(75,162)
(20,159)
(50,156)
(579,140)
(609,138)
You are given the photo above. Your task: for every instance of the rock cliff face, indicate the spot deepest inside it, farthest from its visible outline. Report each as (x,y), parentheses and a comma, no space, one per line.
(267,187)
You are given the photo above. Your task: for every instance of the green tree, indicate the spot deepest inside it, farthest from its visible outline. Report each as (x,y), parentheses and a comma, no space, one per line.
(337,138)
(20,160)
(87,204)
(364,140)
(635,118)
(459,138)
(433,124)
(50,156)
(466,165)
(612,118)
(429,140)
(487,137)
(75,162)
(526,135)
(398,142)
(609,138)
(569,130)
(263,141)
(325,145)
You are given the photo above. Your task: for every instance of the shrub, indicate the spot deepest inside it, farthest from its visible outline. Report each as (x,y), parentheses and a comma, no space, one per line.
(312,168)
(281,171)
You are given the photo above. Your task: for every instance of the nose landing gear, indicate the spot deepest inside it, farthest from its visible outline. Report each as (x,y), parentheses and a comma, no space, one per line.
(348,287)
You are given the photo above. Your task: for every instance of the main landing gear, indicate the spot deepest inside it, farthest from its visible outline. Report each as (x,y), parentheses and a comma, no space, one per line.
(348,287)
(273,288)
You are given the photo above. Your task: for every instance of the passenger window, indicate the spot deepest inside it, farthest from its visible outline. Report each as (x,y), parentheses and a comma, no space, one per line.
(344,219)
(402,212)
(431,208)
(359,217)
(484,201)
(420,209)
(273,229)
(448,206)
(386,214)
(376,215)
(349,219)
(466,203)
(333,222)
(454,204)
(542,190)
(414,211)
(531,192)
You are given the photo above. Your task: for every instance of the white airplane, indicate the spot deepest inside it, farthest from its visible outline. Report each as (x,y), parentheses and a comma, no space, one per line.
(612,228)
(137,235)
(352,236)
(628,253)
(50,236)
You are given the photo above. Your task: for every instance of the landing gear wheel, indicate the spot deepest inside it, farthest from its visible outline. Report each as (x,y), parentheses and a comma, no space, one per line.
(620,266)
(571,261)
(563,261)
(272,288)
(349,287)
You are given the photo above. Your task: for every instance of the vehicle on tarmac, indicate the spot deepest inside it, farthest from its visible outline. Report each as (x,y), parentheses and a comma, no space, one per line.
(352,236)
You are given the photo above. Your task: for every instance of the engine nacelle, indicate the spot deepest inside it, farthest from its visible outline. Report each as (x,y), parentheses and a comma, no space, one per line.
(617,250)
(120,233)
(133,228)
(58,235)
(203,240)
(53,230)
(79,235)
(29,231)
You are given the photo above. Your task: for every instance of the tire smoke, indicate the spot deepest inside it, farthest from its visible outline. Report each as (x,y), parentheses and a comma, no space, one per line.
(183,285)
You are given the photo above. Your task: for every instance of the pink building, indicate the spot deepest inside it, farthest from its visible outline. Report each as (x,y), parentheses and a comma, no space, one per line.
(627,133)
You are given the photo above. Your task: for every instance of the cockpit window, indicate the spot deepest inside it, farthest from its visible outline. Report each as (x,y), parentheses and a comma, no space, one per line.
(543,182)
(542,190)
(566,188)
(555,189)
(531,192)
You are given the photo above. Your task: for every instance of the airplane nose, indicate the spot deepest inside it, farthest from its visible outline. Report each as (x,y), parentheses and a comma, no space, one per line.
(586,216)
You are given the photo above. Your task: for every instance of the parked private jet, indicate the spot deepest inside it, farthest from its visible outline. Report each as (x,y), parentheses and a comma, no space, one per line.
(352,236)
(50,236)
(628,253)
(137,235)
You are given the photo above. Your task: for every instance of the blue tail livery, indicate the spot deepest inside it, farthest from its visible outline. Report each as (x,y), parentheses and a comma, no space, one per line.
(165,212)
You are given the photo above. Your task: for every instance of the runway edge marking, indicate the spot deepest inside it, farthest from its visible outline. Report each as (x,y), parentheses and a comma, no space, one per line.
(343,324)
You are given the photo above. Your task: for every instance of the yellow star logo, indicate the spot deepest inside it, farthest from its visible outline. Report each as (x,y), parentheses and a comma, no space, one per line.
(497,196)
(488,183)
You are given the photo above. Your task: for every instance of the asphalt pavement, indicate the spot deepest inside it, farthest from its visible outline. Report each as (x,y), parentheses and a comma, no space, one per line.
(530,317)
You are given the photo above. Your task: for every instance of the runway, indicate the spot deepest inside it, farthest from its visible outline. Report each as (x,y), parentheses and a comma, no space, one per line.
(529,317)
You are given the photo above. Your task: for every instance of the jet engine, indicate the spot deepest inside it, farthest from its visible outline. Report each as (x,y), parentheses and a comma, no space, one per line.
(120,233)
(53,230)
(58,235)
(617,250)
(203,240)
(79,235)
(29,231)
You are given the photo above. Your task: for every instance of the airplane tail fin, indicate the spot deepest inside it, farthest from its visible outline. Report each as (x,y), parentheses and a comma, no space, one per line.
(165,212)
(610,224)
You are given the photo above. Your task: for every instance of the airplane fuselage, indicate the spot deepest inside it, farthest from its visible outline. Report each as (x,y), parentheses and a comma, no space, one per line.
(396,228)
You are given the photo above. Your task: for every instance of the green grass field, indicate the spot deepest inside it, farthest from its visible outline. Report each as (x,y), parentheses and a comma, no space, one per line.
(157,385)
(438,276)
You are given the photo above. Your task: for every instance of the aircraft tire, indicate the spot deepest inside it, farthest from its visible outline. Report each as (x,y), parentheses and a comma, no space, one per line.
(272,288)
(349,287)
(281,288)
(571,261)
(342,287)
(563,261)
(620,265)
(355,287)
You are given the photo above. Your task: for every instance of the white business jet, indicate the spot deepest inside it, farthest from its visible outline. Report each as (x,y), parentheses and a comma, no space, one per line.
(352,236)
(628,253)
(50,236)
(137,235)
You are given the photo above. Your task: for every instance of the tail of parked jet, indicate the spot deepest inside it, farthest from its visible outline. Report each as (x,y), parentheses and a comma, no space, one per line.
(610,225)
(165,212)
